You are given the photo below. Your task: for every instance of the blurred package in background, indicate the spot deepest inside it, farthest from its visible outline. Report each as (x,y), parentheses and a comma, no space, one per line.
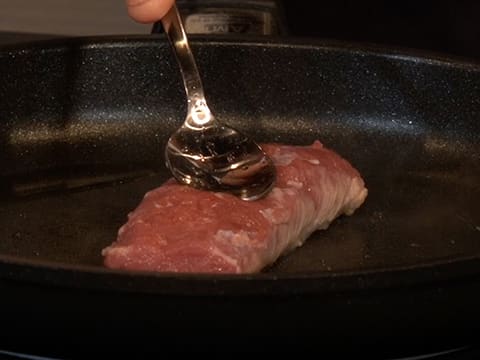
(248,17)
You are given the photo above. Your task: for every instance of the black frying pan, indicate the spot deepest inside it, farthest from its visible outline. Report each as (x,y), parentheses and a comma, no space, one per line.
(83,123)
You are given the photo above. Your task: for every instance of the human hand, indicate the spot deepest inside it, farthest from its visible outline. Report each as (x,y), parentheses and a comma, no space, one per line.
(148,11)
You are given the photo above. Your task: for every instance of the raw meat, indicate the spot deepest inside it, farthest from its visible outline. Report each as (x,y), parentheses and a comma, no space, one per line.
(180,229)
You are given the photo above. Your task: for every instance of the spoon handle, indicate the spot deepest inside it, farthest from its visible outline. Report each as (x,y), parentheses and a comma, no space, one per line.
(198,113)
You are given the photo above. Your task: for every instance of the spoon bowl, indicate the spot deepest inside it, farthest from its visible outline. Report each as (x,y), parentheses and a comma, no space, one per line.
(203,152)
(220,158)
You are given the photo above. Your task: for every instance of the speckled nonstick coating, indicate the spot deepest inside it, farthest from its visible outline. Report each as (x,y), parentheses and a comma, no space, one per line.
(83,123)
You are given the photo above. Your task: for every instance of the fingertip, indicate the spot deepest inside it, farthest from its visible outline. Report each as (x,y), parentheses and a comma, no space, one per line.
(148,11)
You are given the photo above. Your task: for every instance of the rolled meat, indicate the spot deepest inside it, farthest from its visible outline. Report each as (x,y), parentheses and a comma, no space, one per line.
(177,228)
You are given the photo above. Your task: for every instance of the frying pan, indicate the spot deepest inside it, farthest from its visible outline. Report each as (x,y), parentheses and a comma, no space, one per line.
(83,123)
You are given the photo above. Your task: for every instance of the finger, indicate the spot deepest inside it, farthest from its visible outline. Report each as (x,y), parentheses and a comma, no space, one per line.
(148,11)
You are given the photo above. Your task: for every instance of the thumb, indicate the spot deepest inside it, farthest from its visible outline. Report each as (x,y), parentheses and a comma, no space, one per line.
(148,11)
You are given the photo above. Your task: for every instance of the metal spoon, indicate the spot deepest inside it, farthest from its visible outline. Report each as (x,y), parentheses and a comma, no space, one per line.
(203,152)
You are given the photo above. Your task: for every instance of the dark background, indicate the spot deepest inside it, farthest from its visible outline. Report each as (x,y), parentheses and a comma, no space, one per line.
(451,27)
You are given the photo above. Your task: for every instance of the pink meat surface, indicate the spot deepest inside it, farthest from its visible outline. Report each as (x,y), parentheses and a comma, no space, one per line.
(177,228)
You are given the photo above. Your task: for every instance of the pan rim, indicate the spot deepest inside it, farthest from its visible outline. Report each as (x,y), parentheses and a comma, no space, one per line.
(441,272)
(429,57)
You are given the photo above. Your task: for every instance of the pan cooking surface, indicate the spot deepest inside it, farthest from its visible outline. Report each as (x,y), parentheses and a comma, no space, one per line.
(83,125)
